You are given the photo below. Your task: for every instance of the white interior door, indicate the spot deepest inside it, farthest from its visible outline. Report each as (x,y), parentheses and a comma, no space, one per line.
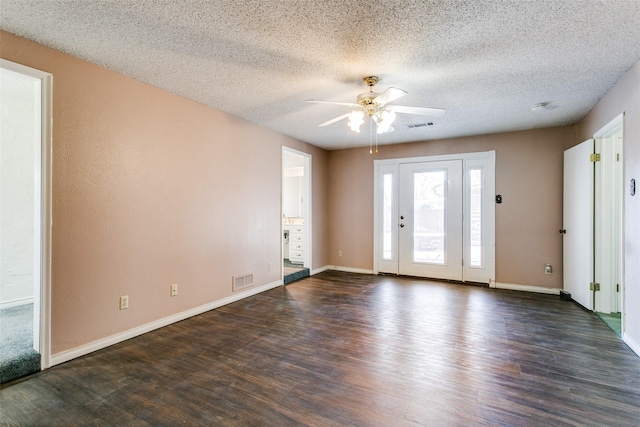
(430,219)
(578,223)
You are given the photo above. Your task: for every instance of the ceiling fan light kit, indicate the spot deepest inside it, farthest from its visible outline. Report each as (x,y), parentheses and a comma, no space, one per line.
(374,105)
(356,118)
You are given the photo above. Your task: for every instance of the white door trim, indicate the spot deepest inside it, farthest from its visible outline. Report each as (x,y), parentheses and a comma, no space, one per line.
(603,266)
(610,127)
(45,203)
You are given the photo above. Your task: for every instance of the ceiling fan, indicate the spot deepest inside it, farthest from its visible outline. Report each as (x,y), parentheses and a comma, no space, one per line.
(375,105)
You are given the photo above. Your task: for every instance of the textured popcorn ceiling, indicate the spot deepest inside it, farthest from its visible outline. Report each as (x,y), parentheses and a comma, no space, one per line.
(486,62)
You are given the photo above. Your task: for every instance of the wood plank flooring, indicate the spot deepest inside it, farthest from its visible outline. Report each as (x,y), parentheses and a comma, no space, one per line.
(342,349)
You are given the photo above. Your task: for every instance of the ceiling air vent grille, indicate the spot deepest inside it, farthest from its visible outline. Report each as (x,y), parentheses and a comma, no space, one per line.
(419,125)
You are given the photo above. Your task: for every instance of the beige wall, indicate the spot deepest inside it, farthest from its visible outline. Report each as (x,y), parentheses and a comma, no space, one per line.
(625,97)
(528,176)
(151,189)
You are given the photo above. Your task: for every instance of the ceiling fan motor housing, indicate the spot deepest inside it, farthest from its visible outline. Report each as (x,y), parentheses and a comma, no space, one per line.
(371,80)
(368,103)
(367,99)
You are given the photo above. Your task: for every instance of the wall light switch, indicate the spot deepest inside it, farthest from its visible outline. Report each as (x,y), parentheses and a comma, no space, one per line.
(547,269)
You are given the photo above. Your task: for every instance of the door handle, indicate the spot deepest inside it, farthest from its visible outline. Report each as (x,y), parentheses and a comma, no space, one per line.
(401,216)
(401,225)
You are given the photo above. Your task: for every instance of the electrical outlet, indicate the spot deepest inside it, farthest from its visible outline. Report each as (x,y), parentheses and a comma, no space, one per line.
(547,269)
(124,302)
(269,266)
(340,252)
(174,290)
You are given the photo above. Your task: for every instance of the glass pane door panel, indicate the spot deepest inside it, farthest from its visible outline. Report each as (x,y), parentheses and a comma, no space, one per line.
(429,217)
(475,217)
(387,217)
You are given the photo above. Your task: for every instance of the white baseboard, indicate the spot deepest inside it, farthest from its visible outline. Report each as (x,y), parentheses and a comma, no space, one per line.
(350,269)
(73,353)
(340,268)
(16,302)
(498,285)
(631,343)
(320,270)
(525,288)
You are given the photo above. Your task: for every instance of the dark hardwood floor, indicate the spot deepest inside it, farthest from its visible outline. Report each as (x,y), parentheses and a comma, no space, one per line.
(341,349)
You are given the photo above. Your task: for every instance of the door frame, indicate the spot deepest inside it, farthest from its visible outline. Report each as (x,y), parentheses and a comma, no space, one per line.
(603,219)
(391,165)
(307,207)
(44,298)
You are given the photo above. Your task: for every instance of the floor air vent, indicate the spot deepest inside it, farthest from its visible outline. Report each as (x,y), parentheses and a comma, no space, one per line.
(419,125)
(242,282)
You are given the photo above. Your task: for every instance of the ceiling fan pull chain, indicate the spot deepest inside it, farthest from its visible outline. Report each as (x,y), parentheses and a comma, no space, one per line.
(371,136)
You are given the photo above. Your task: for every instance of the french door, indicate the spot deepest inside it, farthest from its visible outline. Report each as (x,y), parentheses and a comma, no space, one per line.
(435,217)
(430,208)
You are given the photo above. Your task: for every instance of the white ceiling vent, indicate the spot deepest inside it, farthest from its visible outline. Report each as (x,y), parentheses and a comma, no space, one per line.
(419,125)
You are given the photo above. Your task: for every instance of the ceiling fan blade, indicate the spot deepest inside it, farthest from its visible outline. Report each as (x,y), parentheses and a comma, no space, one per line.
(318,101)
(336,119)
(389,95)
(419,111)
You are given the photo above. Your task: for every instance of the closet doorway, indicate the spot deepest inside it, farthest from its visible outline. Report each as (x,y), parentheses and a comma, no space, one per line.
(593,224)
(296,214)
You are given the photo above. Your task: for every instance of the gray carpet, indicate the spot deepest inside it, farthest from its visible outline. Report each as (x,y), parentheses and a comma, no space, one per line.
(289,278)
(17,356)
(613,321)
(293,272)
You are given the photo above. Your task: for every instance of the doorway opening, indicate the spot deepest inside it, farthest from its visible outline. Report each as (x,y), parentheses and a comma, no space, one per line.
(296,215)
(608,237)
(25,218)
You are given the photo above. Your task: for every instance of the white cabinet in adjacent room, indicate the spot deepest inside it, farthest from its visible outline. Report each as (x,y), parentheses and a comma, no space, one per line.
(296,244)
